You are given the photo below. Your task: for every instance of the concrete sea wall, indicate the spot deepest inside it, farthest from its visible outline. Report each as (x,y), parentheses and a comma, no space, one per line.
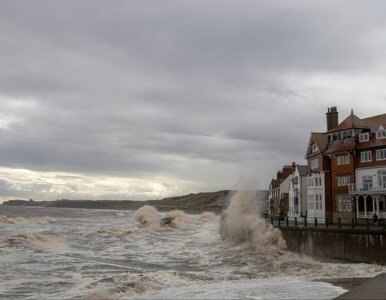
(340,243)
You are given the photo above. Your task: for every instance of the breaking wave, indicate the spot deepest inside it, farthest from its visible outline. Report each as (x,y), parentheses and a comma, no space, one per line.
(176,219)
(147,216)
(37,240)
(208,216)
(241,222)
(19,220)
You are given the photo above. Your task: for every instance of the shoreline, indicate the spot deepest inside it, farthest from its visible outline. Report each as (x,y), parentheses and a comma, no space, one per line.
(370,288)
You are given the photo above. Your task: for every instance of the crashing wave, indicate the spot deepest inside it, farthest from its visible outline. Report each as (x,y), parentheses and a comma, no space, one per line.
(241,222)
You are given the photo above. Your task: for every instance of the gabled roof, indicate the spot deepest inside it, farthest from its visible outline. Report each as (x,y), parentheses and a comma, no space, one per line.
(373,122)
(302,170)
(320,140)
(352,121)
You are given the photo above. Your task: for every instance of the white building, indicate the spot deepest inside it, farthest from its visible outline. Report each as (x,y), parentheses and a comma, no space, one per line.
(297,195)
(316,197)
(369,192)
(284,193)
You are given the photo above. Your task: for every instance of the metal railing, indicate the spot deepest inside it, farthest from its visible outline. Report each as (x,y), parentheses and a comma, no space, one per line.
(353,223)
(356,187)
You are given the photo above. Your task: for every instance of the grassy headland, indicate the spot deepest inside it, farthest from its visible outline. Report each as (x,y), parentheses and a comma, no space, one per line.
(192,203)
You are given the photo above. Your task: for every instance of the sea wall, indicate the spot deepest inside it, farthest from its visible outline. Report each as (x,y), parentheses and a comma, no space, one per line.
(340,243)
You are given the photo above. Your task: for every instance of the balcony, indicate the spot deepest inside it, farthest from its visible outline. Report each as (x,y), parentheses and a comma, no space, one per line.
(356,188)
(369,215)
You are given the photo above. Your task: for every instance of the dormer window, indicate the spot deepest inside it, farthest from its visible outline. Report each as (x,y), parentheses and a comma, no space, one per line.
(313,148)
(364,137)
(381,134)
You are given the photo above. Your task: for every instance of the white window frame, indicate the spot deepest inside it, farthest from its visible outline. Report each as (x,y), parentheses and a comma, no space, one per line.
(381,134)
(368,181)
(380,154)
(309,182)
(364,137)
(343,180)
(342,160)
(366,156)
(344,203)
(311,201)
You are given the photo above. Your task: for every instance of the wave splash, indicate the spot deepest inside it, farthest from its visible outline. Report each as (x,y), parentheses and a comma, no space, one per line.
(19,220)
(149,216)
(37,240)
(241,222)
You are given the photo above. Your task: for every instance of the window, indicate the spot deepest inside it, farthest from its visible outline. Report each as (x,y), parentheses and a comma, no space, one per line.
(314,163)
(381,154)
(342,160)
(381,134)
(364,137)
(343,202)
(366,156)
(382,178)
(310,182)
(311,201)
(343,180)
(318,181)
(313,148)
(318,201)
(367,182)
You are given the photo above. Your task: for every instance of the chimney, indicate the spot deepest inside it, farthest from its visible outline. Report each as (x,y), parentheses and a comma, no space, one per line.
(332,118)
(293,166)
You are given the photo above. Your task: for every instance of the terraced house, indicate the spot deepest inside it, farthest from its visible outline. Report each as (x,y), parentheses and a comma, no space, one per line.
(346,168)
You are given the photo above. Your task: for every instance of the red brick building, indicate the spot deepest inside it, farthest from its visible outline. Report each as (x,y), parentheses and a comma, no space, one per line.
(347,168)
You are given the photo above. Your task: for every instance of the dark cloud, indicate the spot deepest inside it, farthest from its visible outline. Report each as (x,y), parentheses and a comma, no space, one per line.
(195,90)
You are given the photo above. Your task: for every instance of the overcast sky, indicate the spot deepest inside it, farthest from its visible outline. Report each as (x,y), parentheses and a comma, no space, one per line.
(146,99)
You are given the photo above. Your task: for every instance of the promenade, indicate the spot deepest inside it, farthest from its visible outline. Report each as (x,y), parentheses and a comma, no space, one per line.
(374,288)
(348,242)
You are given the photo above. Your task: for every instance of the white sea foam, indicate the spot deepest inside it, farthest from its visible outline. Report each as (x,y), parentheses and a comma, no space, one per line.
(192,262)
(20,220)
(38,240)
(148,216)
(176,219)
(241,222)
(116,231)
(208,216)
(99,294)
(251,289)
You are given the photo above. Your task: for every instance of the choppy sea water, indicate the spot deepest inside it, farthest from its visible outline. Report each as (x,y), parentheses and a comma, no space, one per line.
(58,253)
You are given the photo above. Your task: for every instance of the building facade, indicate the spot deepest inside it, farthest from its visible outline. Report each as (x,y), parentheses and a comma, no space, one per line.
(347,168)
(298,207)
(278,203)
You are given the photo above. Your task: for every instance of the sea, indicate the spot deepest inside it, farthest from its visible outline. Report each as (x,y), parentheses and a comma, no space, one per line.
(65,253)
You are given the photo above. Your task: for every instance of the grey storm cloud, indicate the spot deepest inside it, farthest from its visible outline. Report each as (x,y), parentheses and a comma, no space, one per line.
(195,90)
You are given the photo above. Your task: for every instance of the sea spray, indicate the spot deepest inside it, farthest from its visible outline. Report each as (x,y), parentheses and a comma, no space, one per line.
(147,216)
(176,219)
(242,221)
(208,216)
